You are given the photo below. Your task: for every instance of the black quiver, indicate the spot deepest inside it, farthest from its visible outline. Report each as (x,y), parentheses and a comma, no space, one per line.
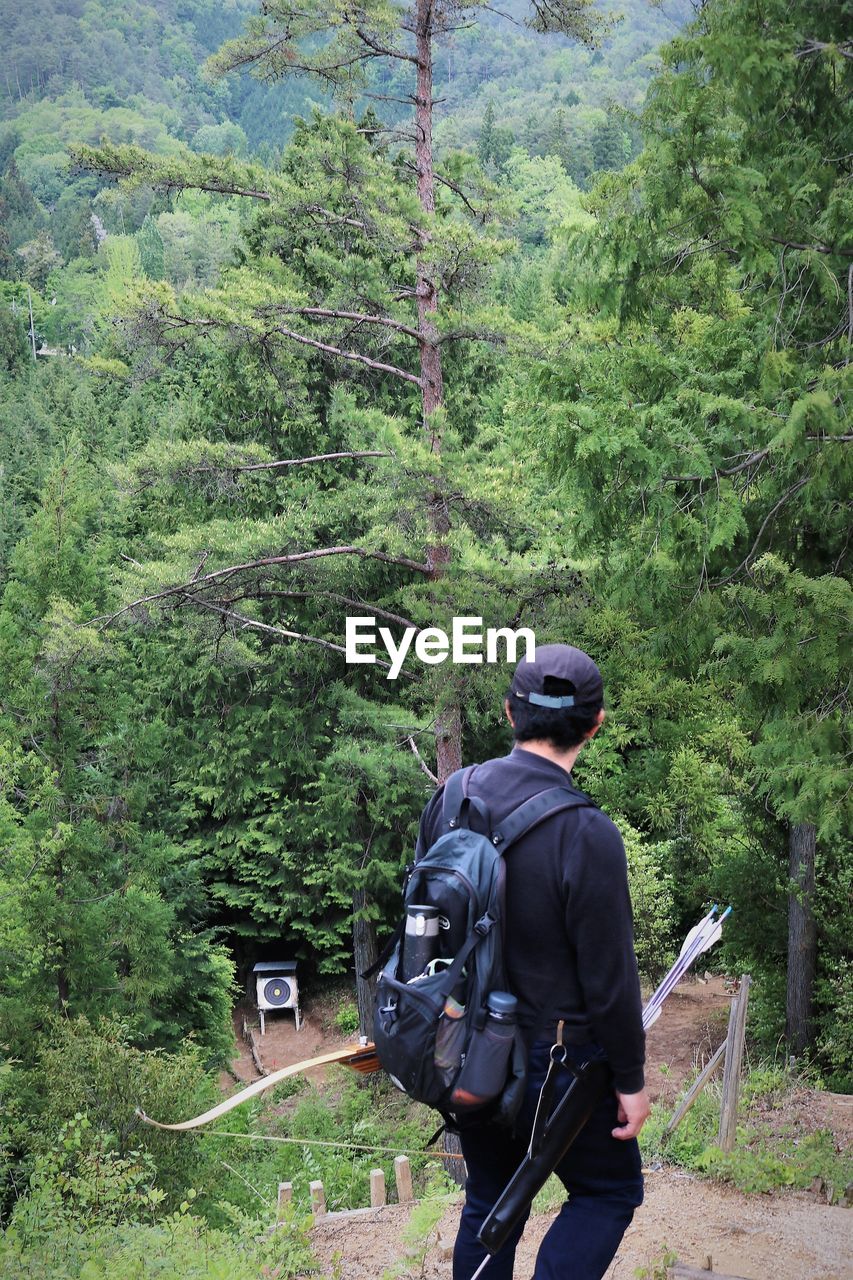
(550,1141)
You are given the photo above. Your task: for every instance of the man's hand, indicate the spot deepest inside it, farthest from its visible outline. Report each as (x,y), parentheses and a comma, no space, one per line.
(634,1110)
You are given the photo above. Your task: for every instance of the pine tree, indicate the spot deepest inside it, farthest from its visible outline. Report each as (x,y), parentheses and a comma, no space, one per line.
(92,918)
(486,141)
(278,45)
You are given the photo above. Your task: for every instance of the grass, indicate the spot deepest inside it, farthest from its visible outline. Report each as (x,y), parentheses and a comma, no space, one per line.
(773,1147)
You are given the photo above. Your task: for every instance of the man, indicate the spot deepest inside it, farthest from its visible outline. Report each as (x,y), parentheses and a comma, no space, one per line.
(570,956)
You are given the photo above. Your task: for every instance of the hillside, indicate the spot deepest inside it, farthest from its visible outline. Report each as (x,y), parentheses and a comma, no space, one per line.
(75,72)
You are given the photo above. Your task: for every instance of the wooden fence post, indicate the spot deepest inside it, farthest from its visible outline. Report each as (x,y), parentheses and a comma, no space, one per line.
(285,1195)
(318,1199)
(403,1178)
(695,1089)
(377,1188)
(734,1058)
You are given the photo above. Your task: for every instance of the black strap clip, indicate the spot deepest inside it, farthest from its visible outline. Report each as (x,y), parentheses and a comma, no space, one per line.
(484,925)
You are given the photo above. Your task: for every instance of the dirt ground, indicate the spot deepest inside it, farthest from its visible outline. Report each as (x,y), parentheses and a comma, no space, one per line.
(768,1237)
(282,1045)
(780,1236)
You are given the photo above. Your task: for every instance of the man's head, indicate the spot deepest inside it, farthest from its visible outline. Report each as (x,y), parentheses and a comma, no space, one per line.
(558,699)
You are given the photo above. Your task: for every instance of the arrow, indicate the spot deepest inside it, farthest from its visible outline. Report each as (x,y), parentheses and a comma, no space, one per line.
(701,938)
(359,1057)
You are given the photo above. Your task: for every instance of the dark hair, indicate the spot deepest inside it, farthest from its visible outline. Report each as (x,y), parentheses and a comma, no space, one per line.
(562,727)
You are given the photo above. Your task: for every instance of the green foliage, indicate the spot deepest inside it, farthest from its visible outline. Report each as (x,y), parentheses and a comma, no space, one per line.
(645,449)
(14,347)
(367,1114)
(81,1179)
(835,1034)
(660,1268)
(99,912)
(346,1019)
(701,442)
(417,1236)
(766,1155)
(179,1247)
(95,1070)
(652,899)
(760,1167)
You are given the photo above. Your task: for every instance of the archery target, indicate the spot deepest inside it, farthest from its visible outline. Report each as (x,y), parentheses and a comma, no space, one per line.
(277,992)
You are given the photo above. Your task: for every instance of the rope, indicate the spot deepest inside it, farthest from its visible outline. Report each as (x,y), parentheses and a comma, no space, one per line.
(341,1146)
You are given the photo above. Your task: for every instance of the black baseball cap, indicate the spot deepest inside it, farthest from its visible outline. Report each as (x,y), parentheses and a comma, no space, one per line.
(537,682)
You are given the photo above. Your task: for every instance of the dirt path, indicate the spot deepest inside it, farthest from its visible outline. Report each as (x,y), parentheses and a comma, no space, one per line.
(786,1236)
(281,1045)
(693,1023)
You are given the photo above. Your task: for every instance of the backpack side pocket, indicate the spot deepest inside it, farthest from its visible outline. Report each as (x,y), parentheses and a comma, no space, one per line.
(408,1015)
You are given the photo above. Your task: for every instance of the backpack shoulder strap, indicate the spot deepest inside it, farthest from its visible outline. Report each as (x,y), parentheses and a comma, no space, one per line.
(536,810)
(457,804)
(455,791)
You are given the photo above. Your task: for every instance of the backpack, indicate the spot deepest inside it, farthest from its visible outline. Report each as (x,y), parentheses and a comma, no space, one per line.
(439,1036)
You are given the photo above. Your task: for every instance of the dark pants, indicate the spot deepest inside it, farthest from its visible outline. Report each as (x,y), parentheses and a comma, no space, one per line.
(601,1174)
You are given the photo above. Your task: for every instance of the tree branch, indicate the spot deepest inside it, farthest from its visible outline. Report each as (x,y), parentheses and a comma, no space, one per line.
(789,493)
(337,217)
(299,557)
(326,313)
(290,462)
(382,50)
(490,8)
(322,71)
(329,595)
(281,634)
(813,248)
(452,186)
(354,356)
(811,47)
(758,456)
(429,773)
(181,322)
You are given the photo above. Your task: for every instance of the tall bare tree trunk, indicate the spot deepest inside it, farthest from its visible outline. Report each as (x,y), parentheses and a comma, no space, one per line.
(432,382)
(802,937)
(365,952)
(448,730)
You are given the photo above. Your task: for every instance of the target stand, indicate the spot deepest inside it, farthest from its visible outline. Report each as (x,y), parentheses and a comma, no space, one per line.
(276,988)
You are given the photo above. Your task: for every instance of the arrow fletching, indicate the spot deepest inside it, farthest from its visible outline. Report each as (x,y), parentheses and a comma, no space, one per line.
(700,939)
(696,931)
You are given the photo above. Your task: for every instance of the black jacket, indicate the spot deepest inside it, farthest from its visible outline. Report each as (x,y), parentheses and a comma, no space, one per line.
(569,932)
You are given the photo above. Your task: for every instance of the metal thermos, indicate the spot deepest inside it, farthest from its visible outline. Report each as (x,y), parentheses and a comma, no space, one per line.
(502,1007)
(420,943)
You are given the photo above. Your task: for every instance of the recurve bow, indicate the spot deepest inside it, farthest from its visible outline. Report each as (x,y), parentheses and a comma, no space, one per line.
(358,1057)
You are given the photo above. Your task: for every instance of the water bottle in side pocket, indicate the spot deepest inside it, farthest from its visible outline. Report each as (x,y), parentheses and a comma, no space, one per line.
(486,1066)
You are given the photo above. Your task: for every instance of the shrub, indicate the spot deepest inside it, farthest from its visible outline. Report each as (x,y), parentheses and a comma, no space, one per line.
(179,1247)
(93,1071)
(346,1019)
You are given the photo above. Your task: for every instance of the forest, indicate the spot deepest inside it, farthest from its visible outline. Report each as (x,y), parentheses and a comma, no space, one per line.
(415,311)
